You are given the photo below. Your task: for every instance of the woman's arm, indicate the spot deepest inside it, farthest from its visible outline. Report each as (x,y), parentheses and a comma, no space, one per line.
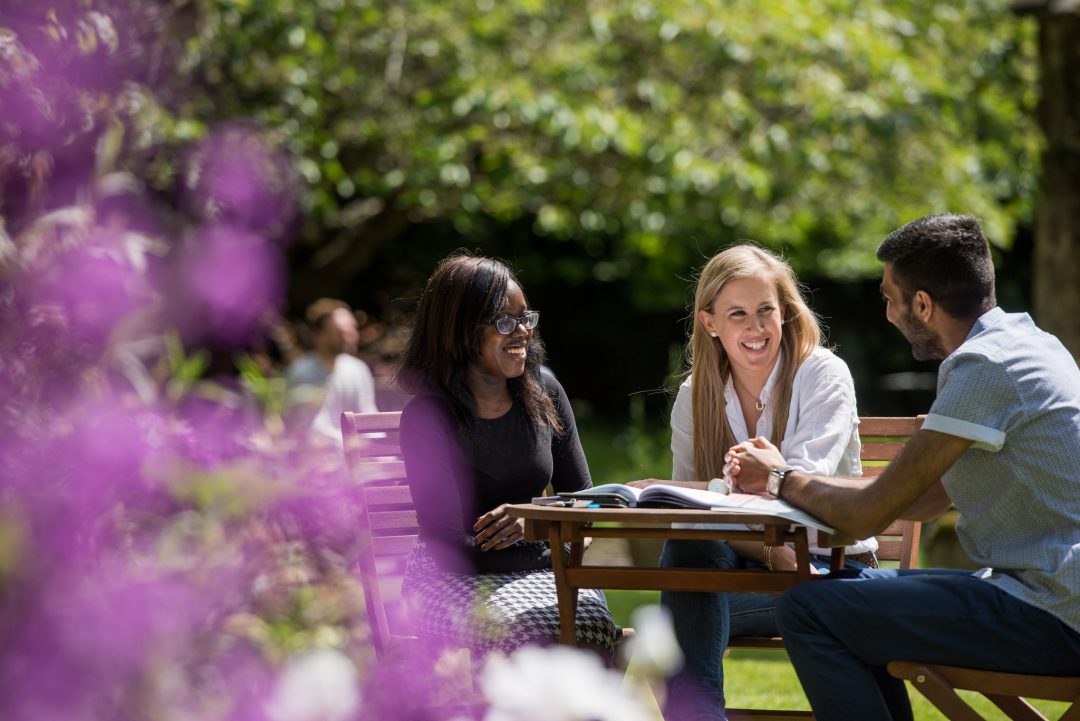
(440,481)
(682,435)
(462,539)
(498,534)
(570,470)
(827,416)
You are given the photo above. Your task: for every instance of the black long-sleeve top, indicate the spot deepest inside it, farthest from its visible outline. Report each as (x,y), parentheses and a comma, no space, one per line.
(456,475)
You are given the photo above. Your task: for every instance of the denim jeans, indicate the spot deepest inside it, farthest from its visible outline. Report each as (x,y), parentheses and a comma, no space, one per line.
(703,624)
(841,632)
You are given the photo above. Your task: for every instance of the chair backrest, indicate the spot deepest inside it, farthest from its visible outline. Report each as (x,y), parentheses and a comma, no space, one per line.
(882,439)
(387,524)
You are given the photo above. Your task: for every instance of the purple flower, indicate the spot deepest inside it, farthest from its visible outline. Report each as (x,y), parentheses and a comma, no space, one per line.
(228,283)
(77,299)
(233,176)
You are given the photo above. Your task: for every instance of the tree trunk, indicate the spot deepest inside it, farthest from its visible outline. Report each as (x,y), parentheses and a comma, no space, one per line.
(1057,224)
(334,266)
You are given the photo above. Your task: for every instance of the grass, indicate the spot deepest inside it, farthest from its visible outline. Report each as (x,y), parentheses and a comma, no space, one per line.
(765,679)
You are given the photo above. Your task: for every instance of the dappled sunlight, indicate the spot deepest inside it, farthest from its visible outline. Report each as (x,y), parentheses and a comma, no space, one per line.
(178,178)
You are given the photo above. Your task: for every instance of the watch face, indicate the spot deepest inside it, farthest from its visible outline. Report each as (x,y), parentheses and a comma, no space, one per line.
(776,477)
(719,485)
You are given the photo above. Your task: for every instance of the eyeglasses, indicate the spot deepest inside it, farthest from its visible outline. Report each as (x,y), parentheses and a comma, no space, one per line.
(507,324)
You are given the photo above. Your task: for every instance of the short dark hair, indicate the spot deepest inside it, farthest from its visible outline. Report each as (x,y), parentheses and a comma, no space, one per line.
(319,312)
(946,256)
(464,294)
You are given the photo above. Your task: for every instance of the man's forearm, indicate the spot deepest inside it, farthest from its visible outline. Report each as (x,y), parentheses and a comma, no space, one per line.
(840,502)
(928,506)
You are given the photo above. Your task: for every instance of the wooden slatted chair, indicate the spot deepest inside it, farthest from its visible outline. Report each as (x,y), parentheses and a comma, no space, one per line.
(1007,691)
(388,528)
(387,523)
(882,438)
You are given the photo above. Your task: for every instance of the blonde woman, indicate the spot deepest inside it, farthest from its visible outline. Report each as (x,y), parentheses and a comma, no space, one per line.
(757,368)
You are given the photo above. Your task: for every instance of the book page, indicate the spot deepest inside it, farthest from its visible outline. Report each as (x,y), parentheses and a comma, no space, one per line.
(748,503)
(680,496)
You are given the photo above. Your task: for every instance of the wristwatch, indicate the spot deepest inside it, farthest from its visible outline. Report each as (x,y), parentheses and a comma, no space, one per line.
(720,485)
(776,479)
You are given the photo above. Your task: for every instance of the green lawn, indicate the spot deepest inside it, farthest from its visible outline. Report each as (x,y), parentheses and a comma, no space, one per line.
(765,679)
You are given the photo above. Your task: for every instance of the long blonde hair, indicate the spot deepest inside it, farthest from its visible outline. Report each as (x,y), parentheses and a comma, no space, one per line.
(710,366)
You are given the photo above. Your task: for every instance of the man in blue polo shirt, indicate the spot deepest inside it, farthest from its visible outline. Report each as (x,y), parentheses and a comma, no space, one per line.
(1001,443)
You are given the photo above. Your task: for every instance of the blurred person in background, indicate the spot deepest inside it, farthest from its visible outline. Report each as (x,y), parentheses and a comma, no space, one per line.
(328,379)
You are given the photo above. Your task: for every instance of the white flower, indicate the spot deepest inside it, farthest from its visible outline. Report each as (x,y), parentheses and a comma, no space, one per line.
(555,683)
(319,685)
(653,650)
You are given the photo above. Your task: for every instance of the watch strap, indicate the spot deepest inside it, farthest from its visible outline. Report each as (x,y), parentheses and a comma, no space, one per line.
(777,476)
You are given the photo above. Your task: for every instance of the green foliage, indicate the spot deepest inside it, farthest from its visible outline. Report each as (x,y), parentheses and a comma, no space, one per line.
(183,370)
(650,131)
(626,453)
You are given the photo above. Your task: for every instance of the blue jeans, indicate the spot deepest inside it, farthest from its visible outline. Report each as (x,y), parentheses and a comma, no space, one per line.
(841,632)
(703,624)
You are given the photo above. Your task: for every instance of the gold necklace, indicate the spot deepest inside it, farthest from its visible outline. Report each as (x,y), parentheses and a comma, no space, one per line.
(758,403)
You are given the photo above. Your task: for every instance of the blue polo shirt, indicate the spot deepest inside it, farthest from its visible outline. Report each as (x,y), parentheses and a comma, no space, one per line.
(1014,390)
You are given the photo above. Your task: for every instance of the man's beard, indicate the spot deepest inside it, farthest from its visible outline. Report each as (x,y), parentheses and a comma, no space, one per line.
(925,344)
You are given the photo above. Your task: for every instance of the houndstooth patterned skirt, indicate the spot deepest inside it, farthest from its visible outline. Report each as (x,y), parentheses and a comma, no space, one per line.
(498,611)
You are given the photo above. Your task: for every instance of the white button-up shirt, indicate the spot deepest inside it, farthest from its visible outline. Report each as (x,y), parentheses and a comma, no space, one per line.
(822,433)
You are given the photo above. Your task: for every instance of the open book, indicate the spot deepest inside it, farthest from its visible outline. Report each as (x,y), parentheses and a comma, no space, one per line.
(659,495)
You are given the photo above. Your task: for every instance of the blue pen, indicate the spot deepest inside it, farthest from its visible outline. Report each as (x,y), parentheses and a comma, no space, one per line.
(593,505)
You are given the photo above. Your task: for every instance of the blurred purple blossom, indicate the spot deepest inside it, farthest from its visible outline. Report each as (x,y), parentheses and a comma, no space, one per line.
(162,554)
(320,685)
(227,285)
(235,177)
(92,288)
(423,682)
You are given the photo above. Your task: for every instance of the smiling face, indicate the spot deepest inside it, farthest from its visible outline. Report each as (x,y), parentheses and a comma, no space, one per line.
(503,356)
(747,319)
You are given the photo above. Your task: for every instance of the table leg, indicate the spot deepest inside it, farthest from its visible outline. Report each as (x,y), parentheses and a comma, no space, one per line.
(802,554)
(567,596)
(836,560)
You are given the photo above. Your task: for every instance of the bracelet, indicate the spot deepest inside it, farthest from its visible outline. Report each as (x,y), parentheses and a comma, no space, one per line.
(767,556)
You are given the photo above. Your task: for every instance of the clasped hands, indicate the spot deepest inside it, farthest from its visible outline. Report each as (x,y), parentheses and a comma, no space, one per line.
(748,464)
(746,467)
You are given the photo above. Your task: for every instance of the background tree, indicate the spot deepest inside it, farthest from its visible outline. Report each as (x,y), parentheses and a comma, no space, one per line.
(605,148)
(1057,226)
(635,137)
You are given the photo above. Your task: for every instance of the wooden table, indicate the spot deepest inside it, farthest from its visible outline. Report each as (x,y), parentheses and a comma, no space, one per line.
(560,525)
